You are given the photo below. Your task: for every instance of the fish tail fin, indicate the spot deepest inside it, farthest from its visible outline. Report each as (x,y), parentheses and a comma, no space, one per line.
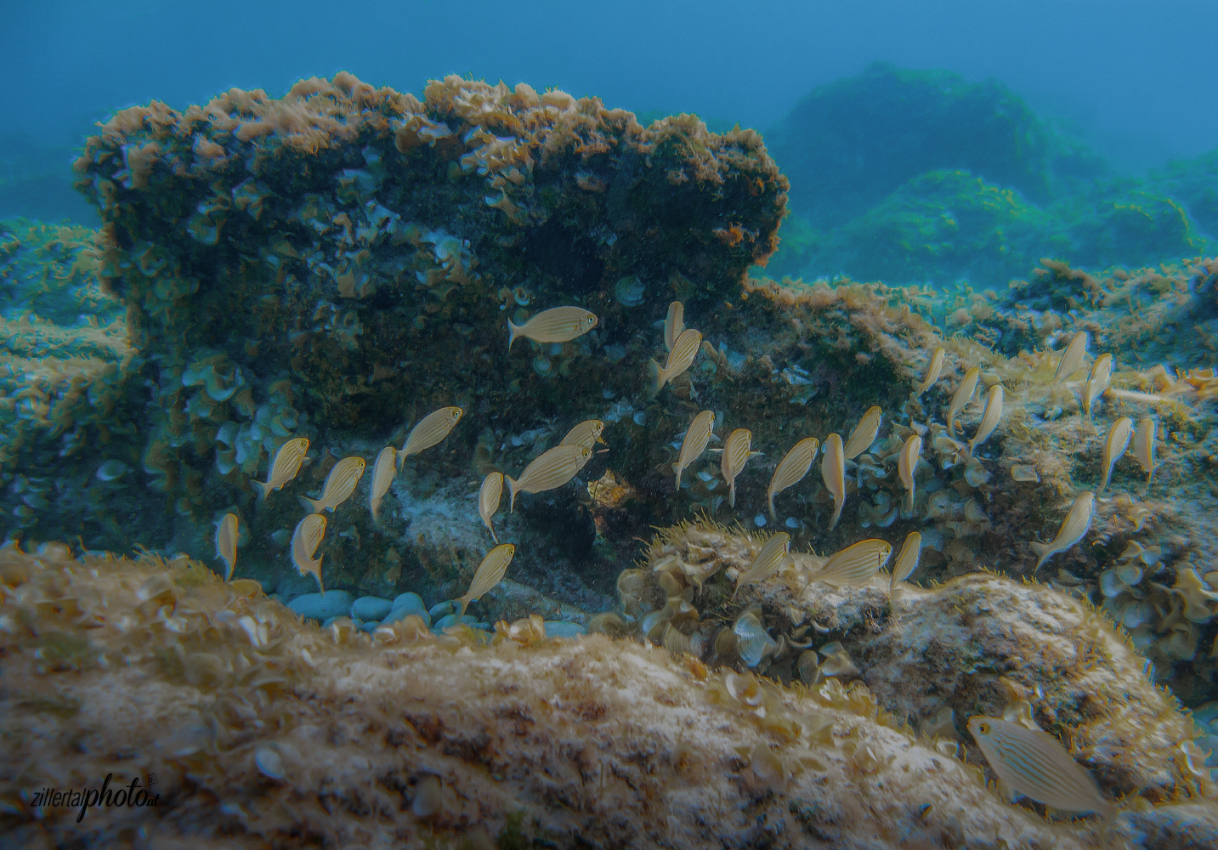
(1042,551)
(909,500)
(770,499)
(317,574)
(376,509)
(731,494)
(1104,481)
(228,576)
(311,504)
(512,485)
(737,590)
(676,467)
(494,536)
(264,490)
(656,378)
(463,603)
(837,512)
(513,332)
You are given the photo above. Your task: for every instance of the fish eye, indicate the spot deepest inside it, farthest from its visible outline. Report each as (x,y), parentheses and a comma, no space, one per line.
(984,728)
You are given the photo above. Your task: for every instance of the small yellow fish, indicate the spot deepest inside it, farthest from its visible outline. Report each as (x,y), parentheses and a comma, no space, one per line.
(697,435)
(907,559)
(863,435)
(933,368)
(674,324)
(792,469)
(1033,763)
(963,395)
(989,418)
(383,471)
(1074,528)
(1114,446)
(833,473)
(340,484)
(285,465)
(226,543)
(1097,382)
(768,561)
(586,433)
(907,466)
(855,565)
(549,470)
(489,573)
(684,350)
(431,429)
(735,456)
(560,324)
(489,496)
(1144,446)
(305,540)
(1072,357)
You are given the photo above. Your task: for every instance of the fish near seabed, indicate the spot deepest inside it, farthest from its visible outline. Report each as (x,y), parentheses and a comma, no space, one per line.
(684,350)
(340,484)
(907,560)
(1033,763)
(855,565)
(489,496)
(792,469)
(674,324)
(587,433)
(907,466)
(430,431)
(1144,446)
(383,471)
(735,455)
(990,418)
(697,435)
(305,540)
(1115,445)
(933,368)
(833,473)
(559,324)
(961,398)
(768,561)
(226,543)
(285,466)
(1074,527)
(549,470)
(1072,357)
(1097,382)
(864,432)
(489,573)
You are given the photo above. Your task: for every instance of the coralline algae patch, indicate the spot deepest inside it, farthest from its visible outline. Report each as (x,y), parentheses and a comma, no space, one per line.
(260,729)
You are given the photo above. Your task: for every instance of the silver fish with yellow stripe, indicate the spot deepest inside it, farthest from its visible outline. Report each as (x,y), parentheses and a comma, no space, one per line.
(674,324)
(791,469)
(990,417)
(933,369)
(961,398)
(1033,763)
(855,565)
(684,350)
(768,561)
(1074,528)
(735,455)
(489,496)
(559,324)
(907,560)
(1097,382)
(1072,358)
(383,471)
(285,465)
(587,433)
(226,543)
(833,473)
(305,540)
(697,435)
(864,433)
(340,484)
(489,573)
(430,431)
(907,466)
(1144,446)
(549,470)
(1115,445)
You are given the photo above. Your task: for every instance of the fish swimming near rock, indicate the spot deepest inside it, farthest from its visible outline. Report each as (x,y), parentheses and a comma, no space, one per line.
(735,455)
(792,469)
(1033,763)
(305,540)
(1074,527)
(833,473)
(226,543)
(549,470)
(489,496)
(1072,358)
(1097,382)
(961,398)
(1144,446)
(768,561)
(907,466)
(990,417)
(855,565)
(340,484)
(907,560)
(587,433)
(430,431)
(285,466)
(1115,445)
(383,471)
(864,432)
(684,350)
(559,324)
(489,573)
(933,369)
(674,324)
(697,435)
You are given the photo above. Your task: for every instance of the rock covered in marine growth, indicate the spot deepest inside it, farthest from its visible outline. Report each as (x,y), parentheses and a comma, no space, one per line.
(406,739)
